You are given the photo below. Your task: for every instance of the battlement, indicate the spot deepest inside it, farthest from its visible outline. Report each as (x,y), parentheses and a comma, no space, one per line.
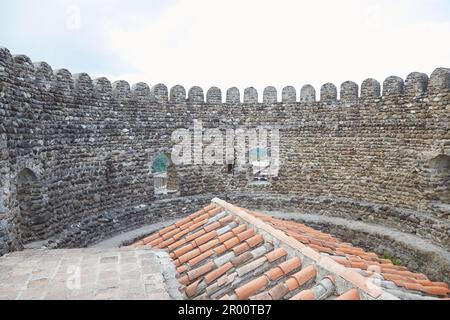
(61,82)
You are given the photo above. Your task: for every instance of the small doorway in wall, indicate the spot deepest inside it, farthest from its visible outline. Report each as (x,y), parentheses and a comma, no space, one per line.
(165,176)
(32,220)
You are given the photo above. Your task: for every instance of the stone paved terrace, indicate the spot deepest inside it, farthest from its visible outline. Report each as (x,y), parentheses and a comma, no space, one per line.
(88,274)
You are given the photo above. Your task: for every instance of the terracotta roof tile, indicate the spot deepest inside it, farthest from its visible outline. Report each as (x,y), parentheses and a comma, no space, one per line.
(197,225)
(212,226)
(276,254)
(221,249)
(226,236)
(183,250)
(209,245)
(275,274)
(177,244)
(195,235)
(210,207)
(437,291)
(167,229)
(191,289)
(166,243)
(151,238)
(226,220)
(239,229)
(231,243)
(189,255)
(254,241)
(182,222)
(290,265)
(200,258)
(352,294)
(197,214)
(182,269)
(246,291)
(205,238)
(240,249)
(201,271)
(201,218)
(246,235)
(215,211)
(305,275)
(214,275)
(181,234)
(246,256)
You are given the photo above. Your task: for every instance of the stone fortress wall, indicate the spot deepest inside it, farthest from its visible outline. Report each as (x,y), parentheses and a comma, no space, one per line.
(76,153)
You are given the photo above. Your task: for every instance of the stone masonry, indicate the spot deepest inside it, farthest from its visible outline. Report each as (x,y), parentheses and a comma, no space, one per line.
(76,153)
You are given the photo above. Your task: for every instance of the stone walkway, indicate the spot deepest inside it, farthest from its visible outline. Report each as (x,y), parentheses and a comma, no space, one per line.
(88,274)
(131,236)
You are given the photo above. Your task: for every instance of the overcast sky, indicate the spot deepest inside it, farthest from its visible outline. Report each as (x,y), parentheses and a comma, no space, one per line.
(231,42)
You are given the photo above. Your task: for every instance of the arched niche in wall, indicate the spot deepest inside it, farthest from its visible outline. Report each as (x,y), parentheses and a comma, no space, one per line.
(33,217)
(440,177)
(260,164)
(165,176)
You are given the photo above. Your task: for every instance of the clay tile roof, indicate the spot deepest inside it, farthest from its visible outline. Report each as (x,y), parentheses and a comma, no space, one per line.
(220,252)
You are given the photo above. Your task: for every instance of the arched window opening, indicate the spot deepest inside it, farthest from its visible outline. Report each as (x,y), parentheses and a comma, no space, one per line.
(32,219)
(440,165)
(440,178)
(165,175)
(260,164)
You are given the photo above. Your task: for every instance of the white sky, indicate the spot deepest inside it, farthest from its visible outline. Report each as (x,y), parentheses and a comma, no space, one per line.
(255,42)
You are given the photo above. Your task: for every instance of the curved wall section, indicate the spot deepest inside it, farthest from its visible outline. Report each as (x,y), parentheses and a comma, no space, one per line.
(90,145)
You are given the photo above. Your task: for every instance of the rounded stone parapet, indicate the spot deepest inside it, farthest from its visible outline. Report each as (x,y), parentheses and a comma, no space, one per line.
(121,90)
(289,94)
(328,93)
(370,88)
(214,95)
(439,81)
(250,95)
(349,92)
(24,68)
(416,84)
(141,92)
(160,93)
(196,95)
(270,95)
(6,59)
(177,94)
(233,96)
(43,75)
(308,94)
(62,81)
(393,86)
(102,88)
(83,84)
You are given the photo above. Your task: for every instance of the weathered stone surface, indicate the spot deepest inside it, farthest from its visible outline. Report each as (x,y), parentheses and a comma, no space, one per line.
(90,148)
(88,274)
